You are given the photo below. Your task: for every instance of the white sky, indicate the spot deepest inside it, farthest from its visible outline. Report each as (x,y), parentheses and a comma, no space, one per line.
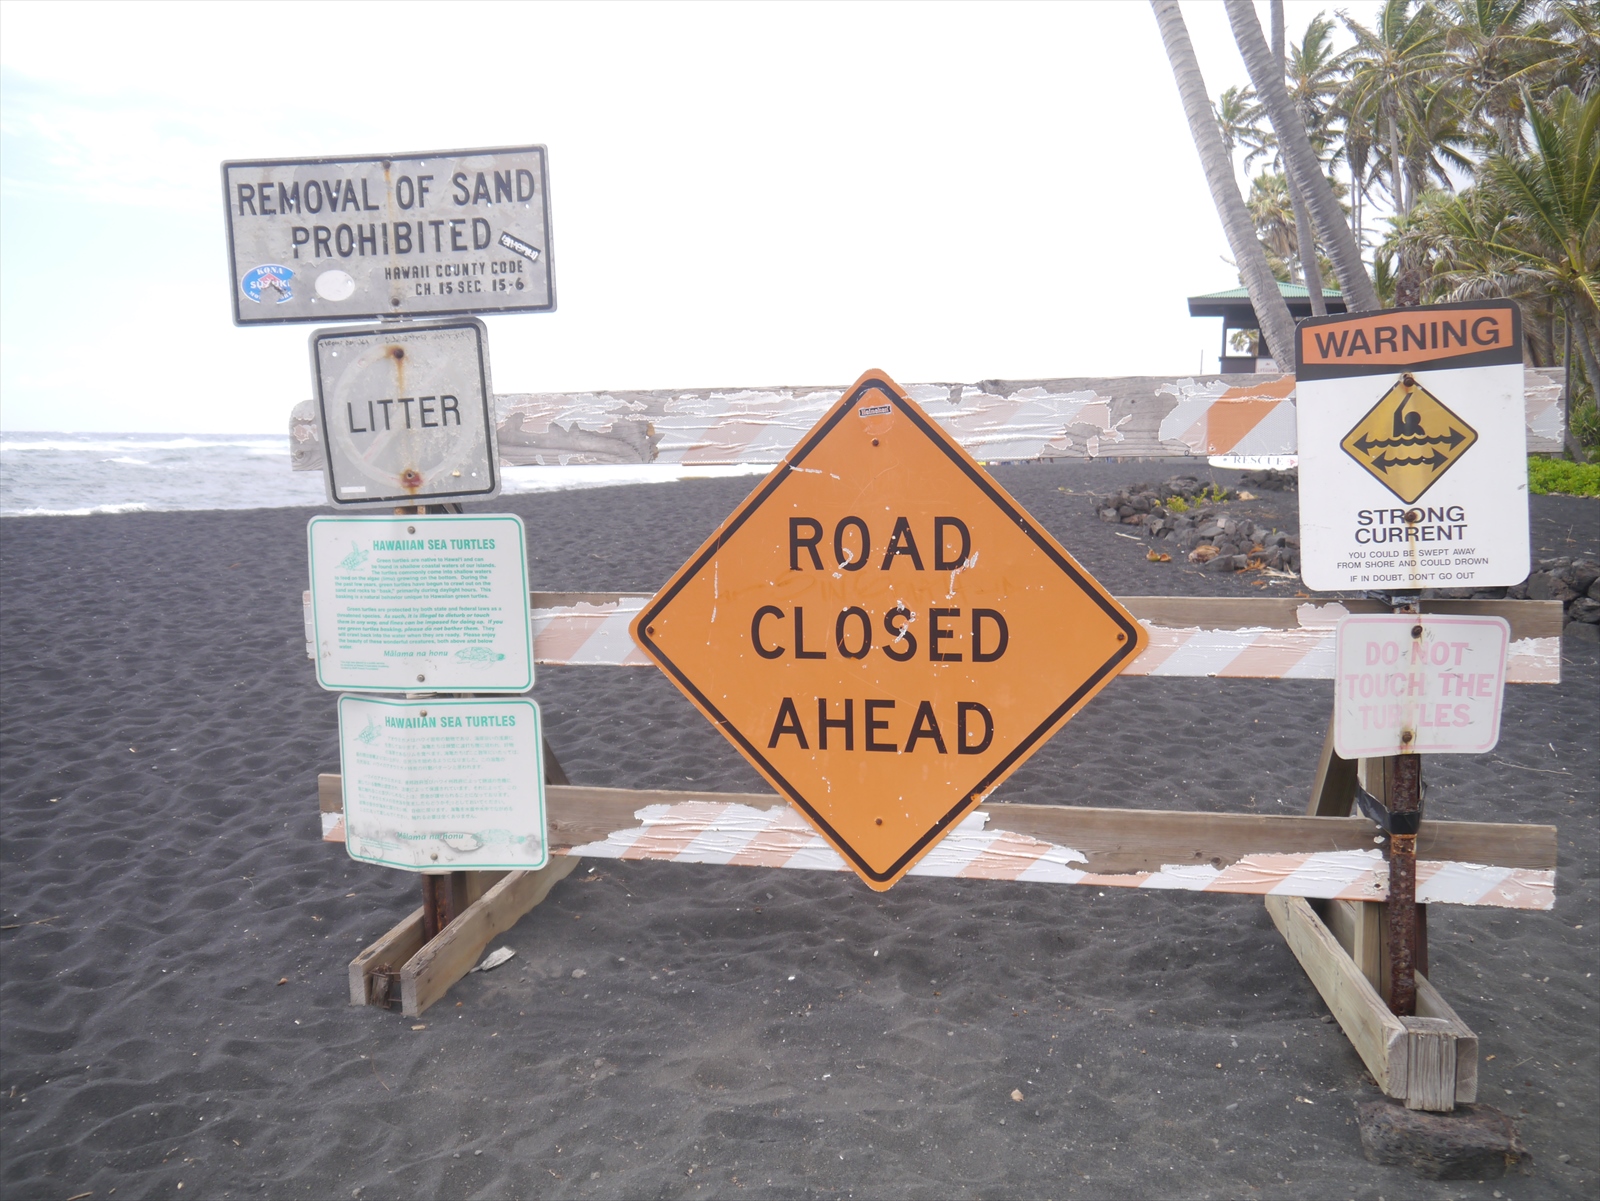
(745,194)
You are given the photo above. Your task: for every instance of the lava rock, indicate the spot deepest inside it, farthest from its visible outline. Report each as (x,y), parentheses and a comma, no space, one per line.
(1581,576)
(1585,610)
(1582,631)
(1475,1142)
(1546,585)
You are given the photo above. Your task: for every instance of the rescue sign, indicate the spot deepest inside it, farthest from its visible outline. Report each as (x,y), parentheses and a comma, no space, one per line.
(883,632)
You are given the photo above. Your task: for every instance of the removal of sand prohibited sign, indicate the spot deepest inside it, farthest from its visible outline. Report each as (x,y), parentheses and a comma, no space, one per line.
(353,239)
(1413,452)
(884,632)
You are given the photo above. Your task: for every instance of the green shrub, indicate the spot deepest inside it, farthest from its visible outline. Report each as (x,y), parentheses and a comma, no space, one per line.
(1176,504)
(1564,476)
(1586,425)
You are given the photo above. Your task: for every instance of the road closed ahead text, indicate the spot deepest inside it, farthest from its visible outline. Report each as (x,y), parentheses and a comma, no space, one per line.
(883,632)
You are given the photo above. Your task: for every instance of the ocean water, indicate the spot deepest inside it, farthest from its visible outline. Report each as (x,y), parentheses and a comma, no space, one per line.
(49,474)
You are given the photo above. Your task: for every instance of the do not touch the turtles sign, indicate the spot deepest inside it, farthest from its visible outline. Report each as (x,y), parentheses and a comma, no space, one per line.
(1413,448)
(884,632)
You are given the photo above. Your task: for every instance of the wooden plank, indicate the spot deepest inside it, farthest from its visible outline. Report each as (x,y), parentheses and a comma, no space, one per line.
(1377,1035)
(1114,840)
(330,793)
(1466,863)
(1430,1054)
(1359,926)
(1528,619)
(396,946)
(1229,637)
(429,973)
(1431,1005)
(475,884)
(1333,788)
(1429,1061)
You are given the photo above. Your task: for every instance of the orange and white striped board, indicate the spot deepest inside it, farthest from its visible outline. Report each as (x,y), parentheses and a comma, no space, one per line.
(591,630)
(712,831)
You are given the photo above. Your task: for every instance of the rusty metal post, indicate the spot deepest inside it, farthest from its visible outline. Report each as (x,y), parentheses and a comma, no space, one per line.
(439,907)
(1405,797)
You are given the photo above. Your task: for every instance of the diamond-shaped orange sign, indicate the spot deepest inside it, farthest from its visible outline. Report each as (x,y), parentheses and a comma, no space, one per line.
(884,632)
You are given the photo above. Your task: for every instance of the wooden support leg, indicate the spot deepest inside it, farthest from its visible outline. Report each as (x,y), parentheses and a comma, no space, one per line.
(444,960)
(1430,1061)
(1333,791)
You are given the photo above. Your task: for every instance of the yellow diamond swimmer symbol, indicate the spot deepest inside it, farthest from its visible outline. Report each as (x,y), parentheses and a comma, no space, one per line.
(1408,439)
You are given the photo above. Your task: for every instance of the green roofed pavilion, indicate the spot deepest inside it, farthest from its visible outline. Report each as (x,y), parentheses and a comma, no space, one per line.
(1237,313)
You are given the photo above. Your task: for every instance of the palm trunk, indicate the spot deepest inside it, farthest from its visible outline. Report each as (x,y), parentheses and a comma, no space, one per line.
(1277,326)
(1580,334)
(1304,171)
(1305,242)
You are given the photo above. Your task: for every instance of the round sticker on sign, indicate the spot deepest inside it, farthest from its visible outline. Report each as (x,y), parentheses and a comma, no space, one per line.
(335,285)
(268,280)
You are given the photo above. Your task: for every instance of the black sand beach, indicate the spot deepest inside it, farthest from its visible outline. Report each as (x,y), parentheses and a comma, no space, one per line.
(173,999)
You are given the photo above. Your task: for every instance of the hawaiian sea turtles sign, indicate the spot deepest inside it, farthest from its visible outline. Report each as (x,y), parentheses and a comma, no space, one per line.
(884,632)
(351,239)
(420,604)
(1413,448)
(440,783)
(406,412)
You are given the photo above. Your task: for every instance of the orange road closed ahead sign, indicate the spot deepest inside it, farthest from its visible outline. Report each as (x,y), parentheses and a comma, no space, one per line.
(884,632)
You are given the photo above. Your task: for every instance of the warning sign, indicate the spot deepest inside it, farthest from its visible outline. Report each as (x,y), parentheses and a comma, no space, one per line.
(883,632)
(1408,439)
(1413,448)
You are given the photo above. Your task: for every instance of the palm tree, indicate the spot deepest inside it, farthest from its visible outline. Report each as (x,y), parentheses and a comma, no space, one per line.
(1555,194)
(1305,240)
(1273,213)
(1312,78)
(1530,229)
(1576,25)
(1271,311)
(1493,49)
(1304,168)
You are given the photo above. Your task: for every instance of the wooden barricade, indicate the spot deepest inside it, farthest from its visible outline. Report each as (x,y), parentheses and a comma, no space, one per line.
(1323,880)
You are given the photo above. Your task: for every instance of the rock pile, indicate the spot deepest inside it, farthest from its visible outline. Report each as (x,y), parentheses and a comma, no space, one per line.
(1573,582)
(1185,510)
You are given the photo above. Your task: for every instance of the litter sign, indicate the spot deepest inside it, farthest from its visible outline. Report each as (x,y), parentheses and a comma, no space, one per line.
(884,632)
(1413,448)
(1426,684)
(407,413)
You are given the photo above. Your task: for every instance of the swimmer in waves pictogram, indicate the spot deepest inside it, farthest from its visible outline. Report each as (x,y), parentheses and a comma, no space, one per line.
(1409,439)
